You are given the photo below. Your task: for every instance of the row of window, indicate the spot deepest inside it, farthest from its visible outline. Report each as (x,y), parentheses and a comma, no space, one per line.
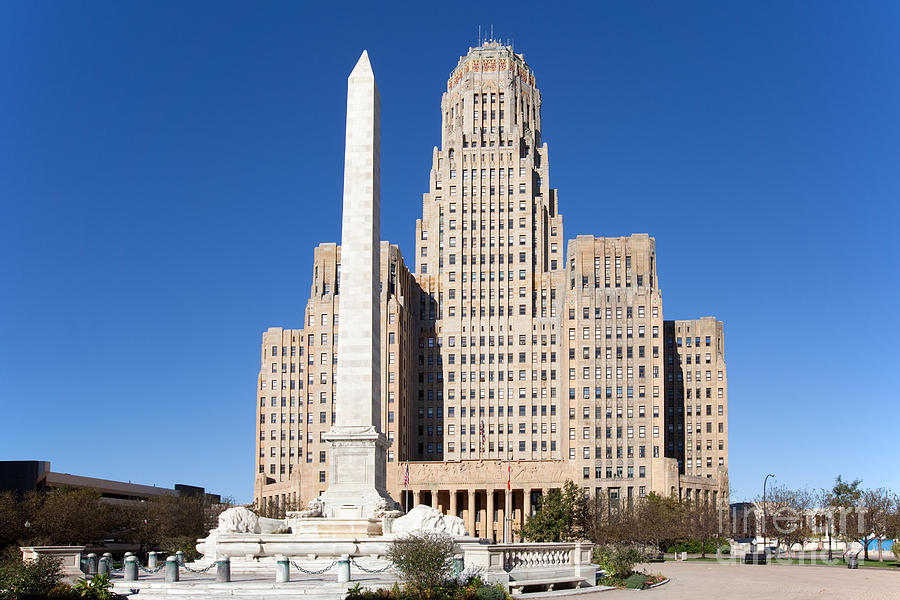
(599,312)
(608,331)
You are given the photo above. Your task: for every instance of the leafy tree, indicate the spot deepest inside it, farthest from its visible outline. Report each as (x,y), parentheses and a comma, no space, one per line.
(562,516)
(845,497)
(702,524)
(660,520)
(67,516)
(12,520)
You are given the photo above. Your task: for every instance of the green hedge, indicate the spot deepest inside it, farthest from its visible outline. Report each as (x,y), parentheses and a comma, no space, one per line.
(696,546)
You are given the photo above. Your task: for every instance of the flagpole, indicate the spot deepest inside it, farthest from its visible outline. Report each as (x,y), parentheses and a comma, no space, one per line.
(507,516)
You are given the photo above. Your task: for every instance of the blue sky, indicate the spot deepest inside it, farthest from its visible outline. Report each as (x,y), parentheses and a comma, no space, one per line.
(166,169)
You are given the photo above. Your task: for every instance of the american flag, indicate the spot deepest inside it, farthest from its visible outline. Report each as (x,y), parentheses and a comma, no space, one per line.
(481,431)
(406,476)
(509,477)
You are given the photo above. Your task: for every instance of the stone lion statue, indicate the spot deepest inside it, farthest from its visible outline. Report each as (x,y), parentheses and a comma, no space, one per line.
(314,508)
(240,519)
(426,518)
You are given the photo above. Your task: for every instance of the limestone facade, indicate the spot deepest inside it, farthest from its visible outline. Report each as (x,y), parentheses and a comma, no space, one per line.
(503,346)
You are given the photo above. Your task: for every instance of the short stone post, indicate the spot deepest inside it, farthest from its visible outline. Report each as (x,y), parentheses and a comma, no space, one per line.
(108,556)
(282,569)
(458,565)
(343,568)
(92,564)
(131,568)
(152,560)
(179,555)
(223,570)
(103,566)
(171,569)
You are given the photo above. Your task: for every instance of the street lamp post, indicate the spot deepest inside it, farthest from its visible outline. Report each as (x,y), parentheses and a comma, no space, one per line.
(766,480)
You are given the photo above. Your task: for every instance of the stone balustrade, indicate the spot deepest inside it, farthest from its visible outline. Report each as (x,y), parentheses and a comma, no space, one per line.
(514,564)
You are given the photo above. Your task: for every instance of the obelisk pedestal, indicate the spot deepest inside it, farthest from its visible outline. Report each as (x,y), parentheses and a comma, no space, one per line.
(357,462)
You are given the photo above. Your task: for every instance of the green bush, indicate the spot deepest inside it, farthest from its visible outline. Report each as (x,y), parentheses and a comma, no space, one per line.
(618,560)
(895,548)
(493,592)
(33,577)
(423,560)
(96,588)
(472,588)
(636,581)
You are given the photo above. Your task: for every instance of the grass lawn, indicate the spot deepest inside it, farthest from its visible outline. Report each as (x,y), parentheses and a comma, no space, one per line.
(837,562)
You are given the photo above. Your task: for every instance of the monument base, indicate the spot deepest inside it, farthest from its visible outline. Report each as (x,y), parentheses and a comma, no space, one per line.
(356,468)
(317,528)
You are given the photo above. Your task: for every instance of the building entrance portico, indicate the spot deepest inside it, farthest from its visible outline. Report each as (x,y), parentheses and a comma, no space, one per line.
(476,492)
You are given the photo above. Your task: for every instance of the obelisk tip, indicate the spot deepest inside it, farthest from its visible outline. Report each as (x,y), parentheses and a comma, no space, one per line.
(363,66)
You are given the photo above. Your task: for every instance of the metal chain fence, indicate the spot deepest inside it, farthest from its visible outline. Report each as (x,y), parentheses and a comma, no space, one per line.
(308,572)
(159,567)
(204,570)
(365,570)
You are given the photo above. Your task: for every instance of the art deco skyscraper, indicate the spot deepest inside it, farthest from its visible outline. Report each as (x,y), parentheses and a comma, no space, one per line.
(488,259)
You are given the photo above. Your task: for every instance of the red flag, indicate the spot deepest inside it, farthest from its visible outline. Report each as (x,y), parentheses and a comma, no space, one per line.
(406,476)
(508,477)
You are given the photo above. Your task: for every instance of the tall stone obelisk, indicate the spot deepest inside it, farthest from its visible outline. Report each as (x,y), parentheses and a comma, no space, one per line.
(356,484)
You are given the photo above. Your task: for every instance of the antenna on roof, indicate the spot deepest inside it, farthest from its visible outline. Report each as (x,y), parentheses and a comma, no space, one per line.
(492,32)
(479,35)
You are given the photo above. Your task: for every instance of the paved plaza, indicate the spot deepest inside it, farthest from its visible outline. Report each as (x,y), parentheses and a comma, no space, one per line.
(701,580)
(688,581)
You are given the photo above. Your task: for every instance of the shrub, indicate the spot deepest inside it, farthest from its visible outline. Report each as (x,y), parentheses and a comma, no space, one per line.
(493,592)
(423,560)
(469,588)
(96,588)
(36,577)
(636,581)
(618,560)
(693,546)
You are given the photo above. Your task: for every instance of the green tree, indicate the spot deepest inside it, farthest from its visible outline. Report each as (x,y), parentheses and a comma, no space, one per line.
(12,520)
(69,516)
(702,524)
(660,521)
(849,524)
(562,516)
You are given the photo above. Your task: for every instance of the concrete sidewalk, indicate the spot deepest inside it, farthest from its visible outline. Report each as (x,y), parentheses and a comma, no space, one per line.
(701,580)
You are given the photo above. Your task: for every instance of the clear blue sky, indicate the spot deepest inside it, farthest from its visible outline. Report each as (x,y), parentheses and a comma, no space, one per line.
(166,169)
